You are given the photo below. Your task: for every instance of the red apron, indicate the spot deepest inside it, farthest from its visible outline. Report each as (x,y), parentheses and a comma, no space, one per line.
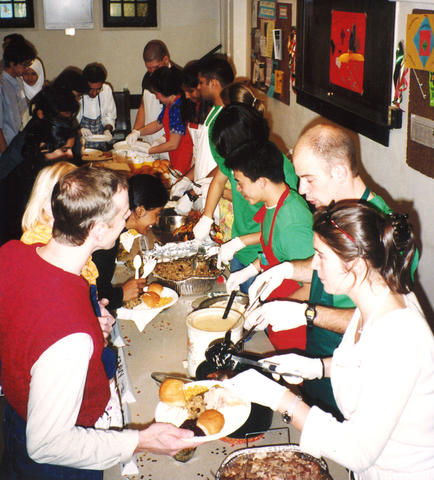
(180,159)
(286,339)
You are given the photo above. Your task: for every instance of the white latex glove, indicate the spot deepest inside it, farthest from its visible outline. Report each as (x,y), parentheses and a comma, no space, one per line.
(280,314)
(85,132)
(255,387)
(202,228)
(159,141)
(228,250)
(109,135)
(141,147)
(132,137)
(237,278)
(180,187)
(298,366)
(183,205)
(273,277)
(202,186)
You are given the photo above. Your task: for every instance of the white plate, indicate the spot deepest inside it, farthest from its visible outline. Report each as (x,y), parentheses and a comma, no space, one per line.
(235,415)
(142,314)
(167,292)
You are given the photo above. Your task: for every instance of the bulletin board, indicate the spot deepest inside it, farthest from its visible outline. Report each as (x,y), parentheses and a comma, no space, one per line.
(272,38)
(420,131)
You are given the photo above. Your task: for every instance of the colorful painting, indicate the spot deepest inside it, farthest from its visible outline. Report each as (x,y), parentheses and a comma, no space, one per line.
(420,42)
(347,50)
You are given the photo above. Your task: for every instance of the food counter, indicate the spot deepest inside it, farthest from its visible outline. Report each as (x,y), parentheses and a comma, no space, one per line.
(162,346)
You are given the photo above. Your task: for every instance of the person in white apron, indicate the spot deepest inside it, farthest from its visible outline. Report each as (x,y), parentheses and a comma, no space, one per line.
(213,75)
(97,115)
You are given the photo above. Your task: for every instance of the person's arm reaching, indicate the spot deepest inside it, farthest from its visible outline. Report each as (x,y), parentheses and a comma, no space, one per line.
(140,117)
(57,383)
(56,389)
(169,146)
(202,228)
(215,192)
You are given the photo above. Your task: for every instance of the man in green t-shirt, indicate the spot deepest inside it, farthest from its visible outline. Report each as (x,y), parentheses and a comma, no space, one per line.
(285,218)
(237,125)
(326,163)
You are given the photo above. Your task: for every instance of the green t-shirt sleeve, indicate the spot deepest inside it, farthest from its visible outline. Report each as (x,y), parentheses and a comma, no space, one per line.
(292,235)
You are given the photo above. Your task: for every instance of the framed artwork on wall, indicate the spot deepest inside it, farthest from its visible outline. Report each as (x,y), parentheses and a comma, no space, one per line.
(129,13)
(16,14)
(344,65)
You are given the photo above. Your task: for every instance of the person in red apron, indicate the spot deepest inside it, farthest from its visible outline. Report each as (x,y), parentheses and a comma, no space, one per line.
(286,226)
(166,85)
(284,339)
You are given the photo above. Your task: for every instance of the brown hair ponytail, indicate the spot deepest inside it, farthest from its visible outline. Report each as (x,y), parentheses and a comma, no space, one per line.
(354,229)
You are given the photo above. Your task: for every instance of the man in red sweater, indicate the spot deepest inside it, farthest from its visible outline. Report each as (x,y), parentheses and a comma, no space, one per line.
(51,343)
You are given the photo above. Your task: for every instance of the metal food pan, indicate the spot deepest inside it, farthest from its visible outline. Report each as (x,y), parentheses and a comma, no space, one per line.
(189,286)
(277,449)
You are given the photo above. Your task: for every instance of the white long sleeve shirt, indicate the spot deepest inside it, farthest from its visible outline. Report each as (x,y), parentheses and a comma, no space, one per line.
(90,107)
(56,390)
(384,386)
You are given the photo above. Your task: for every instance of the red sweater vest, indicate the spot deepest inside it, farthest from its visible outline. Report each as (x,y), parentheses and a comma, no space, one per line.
(39,305)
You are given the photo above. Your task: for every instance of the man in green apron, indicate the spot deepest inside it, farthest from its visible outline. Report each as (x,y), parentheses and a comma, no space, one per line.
(325,161)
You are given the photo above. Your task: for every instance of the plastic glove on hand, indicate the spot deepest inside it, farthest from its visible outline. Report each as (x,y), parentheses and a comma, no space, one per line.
(132,137)
(108,134)
(85,132)
(280,314)
(237,278)
(183,205)
(255,387)
(299,367)
(202,228)
(273,277)
(228,250)
(180,187)
(159,141)
(142,147)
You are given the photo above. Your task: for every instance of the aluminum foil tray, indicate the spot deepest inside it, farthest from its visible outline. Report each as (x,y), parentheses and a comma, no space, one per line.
(175,250)
(277,449)
(189,286)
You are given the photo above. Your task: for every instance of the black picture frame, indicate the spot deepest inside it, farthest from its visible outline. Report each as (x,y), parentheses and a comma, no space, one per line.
(368,113)
(126,21)
(20,22)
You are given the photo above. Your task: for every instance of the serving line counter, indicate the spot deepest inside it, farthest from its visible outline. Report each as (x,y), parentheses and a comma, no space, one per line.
(162,347)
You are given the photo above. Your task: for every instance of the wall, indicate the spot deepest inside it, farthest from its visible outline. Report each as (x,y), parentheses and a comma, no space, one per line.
(190,28)
(385,168)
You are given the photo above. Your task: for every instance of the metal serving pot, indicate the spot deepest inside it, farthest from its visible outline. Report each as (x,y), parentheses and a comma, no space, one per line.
(169,221)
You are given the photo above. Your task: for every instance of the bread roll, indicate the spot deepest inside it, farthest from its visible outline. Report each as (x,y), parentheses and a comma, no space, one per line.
(156,287)
(151,299)
(172,392)
(211,421)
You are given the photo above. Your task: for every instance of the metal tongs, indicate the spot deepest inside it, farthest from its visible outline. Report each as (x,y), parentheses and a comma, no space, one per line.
(255,303)
(220,352)
(178,175)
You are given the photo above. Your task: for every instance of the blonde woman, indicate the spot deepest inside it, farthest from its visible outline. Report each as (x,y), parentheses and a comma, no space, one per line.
(37,220)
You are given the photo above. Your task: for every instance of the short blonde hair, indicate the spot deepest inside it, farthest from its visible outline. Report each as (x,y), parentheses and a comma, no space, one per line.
(41,194)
